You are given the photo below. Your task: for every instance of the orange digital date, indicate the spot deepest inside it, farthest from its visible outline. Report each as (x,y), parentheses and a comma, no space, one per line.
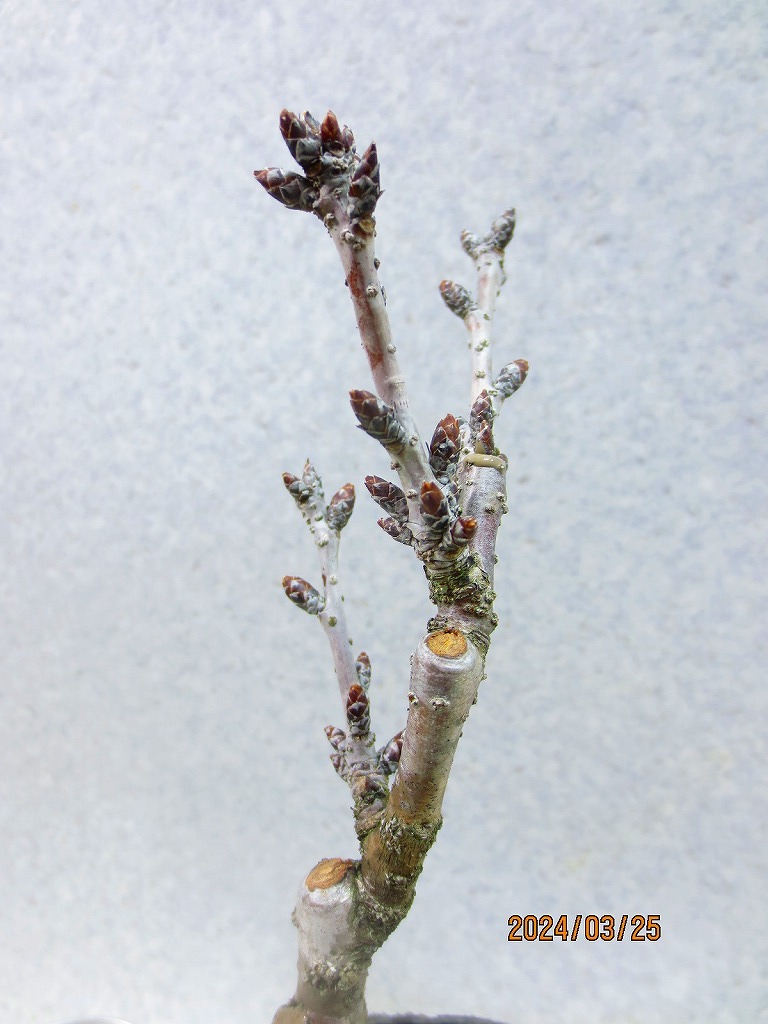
(544,928)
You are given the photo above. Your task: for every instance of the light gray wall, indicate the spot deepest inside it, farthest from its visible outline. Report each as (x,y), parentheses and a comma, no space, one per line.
(171,340)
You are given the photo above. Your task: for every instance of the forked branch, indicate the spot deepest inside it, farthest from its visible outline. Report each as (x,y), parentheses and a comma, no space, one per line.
(447,508)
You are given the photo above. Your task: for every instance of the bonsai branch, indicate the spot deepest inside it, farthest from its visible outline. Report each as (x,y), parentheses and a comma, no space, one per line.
(447,509)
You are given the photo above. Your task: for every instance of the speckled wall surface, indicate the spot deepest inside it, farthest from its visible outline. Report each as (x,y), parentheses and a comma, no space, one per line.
(171,340)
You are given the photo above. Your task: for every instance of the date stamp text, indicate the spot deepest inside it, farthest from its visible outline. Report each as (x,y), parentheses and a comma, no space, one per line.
(544,928)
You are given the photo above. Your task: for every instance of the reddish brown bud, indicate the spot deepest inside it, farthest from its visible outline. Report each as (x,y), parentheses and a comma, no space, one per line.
(313,125)
(389,755)
(364,188)
(444,448)
(340,766)
(340,507)
(335,736)
(377,419)
(396,531)
(302,140)
(388,496)
(292,190)
(358,711)
(292,128)
(463,530)
(303,595)
(457,299)
(363,669)
(511,377)
(434,507)
(502,230)
(330,133)
(484,440)
(481,412)
(367,170)
(297,488)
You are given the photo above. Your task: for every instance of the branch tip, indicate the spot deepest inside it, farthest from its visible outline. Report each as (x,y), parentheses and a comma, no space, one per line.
(502,230)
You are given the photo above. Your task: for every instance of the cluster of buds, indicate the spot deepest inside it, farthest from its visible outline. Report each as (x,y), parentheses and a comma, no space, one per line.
(498,238)
(383,764)
(442,525)
(364,190)
(326,154)
(391,499)
(305,489)
(444,528)
(356,761)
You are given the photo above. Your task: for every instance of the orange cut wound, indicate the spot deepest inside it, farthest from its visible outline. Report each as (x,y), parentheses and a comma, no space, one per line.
(449,644)
(327,873)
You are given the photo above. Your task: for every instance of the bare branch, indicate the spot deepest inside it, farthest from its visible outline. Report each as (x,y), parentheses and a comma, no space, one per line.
(448,509)
(325,524)
(445,675)
(342,189)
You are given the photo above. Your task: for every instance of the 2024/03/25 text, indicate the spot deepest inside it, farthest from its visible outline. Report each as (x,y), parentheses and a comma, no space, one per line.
(544,928)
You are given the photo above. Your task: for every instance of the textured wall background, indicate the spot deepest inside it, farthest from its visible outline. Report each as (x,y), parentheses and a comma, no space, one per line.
(171,340)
